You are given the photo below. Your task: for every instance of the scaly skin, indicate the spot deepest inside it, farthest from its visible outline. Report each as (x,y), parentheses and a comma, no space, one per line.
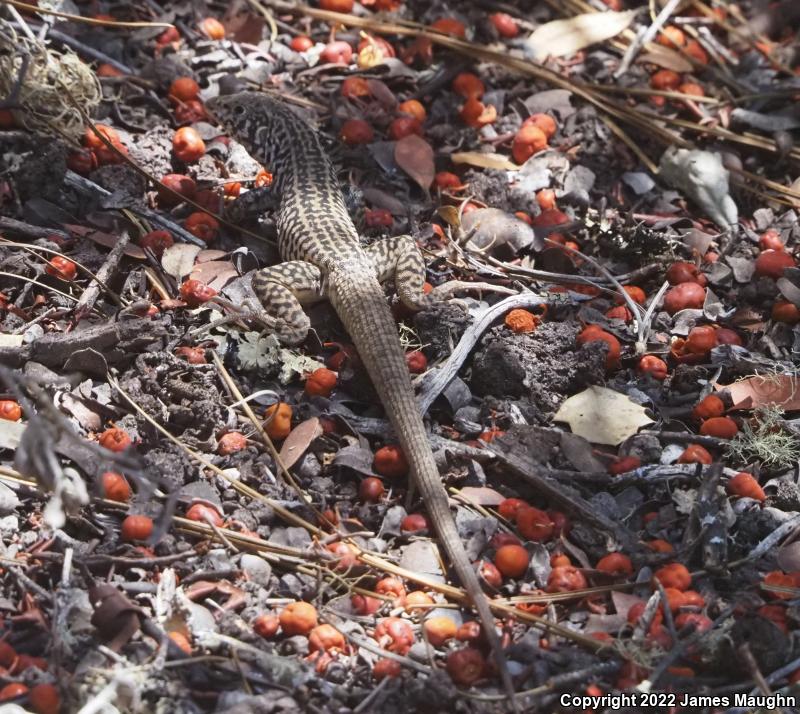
(314,227)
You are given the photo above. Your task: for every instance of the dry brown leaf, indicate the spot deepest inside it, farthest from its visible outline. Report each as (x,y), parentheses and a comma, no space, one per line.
(782,390)
(665,57)
(299,440)
(178,260)
(415,156)
(565,37)
(484,161)
(602,416)
(482,496)
(109,240)
(449,214)
(210,254)
(214,273)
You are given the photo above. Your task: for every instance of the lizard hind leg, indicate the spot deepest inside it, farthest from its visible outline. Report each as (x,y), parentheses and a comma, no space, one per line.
(282,289)
(398,257)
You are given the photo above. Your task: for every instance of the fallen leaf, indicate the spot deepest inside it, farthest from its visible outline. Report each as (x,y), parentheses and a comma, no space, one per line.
(484,161)
(665,57)
(214,273)
(494,227)
(178,260)
(7,340)
(482,496)
(602,416)
(565,37)
(782,390)
(299,440)
(415,156)
(209,254)
(449,214)
(109,240)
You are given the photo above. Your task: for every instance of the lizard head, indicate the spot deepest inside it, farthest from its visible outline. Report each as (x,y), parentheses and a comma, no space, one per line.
(240,114)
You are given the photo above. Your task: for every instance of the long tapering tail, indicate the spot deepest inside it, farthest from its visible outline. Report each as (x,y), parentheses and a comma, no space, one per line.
(360,303)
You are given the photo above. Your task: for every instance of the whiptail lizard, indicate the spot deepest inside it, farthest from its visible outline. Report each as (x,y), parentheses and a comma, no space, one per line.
(319,241)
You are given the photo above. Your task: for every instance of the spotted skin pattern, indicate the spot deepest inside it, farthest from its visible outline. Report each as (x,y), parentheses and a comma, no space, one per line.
(314,228)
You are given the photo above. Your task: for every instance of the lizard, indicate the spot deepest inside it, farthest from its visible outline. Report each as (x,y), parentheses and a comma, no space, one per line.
(323,257)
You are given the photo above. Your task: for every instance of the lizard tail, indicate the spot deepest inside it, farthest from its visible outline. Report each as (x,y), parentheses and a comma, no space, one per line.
(361,304)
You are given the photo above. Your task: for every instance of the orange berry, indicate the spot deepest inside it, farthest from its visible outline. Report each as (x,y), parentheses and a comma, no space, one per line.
(521,321)
(320,382)
(413,523)
(231,442)
(446,180)
(414,109)
(544,122)
(183,89)
(505,25)
(136,528)
(301,43)
(279,422)
(326,638)
(115,486)
(114,439)
(652,365)
(708,407)
(665,79)
(298,618)
(390,461)
(439,630)
(62,268)
(200,224)
(695,454)
(212,28)
(509,507)
(721,427)
(394,634)
(623,465)
(701,340)
(416,362)
(187,145)
(565,578)
(684,296)
(615,564)
(203,513)
(12,691)
(534,524)
(10,410)
(476,114)
(772,263)
(785,311)
(527,141)
(266,625)
(44,699)
(671,36)
(353,87)
(512,560)
(343,6)
(156,241)
(337,52)
(450,26)
(371,490)
(592,333)
(356,131)
(183,185)
(546,198)
(771,240)
(745,485)
(692,89)
(468,85)
(401,127)
(194,293)
(386,668)
(674,575)
(695,50)
(465,666)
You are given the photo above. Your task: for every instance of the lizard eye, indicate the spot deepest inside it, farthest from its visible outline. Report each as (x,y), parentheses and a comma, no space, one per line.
(238,111)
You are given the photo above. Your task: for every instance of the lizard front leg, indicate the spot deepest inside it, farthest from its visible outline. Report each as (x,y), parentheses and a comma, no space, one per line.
(398,257)
(282,289)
